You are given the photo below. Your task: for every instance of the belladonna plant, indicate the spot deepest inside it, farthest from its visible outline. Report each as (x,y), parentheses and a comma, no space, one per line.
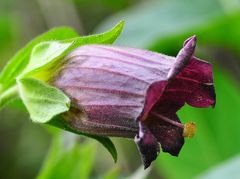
(86,86)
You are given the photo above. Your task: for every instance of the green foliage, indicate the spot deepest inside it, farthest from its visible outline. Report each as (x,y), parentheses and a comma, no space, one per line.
(226,169)
(68,159)
(28,72)
(105,38)
(112,174)
(140,173)
(42,101)
(166,21)
(19,61)
(5,24)
(105,141)
(43,56)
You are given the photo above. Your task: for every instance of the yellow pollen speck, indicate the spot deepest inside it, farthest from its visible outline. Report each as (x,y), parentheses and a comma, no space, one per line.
(189,129)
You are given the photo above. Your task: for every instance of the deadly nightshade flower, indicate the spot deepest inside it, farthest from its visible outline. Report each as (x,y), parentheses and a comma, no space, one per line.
(134,93)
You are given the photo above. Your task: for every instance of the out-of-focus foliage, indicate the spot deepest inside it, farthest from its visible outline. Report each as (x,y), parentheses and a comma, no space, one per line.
(72,159)
(160,25)
(97,10)
(153,24)
(23,145)
(68,158)
(228,169)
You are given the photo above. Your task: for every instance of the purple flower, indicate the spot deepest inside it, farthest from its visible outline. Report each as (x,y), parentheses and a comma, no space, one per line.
(134,93)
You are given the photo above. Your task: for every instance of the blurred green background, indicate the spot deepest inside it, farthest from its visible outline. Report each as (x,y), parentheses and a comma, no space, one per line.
(29,150)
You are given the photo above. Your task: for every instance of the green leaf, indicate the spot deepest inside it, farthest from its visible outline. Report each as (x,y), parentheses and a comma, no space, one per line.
(105,141)
(68,158)
(105,38)
(44,53)
(47,57)
(19,62)
(112,173)
(226,169)
(42,101)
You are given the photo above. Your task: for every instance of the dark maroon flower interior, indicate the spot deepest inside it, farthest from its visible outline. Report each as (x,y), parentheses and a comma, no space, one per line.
(194,85)
(189,81)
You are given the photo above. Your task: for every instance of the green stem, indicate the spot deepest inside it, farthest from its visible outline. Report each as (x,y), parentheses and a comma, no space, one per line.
(7,95)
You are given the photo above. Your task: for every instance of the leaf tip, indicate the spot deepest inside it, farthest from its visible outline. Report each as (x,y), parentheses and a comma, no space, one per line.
(119,26)
(121,23)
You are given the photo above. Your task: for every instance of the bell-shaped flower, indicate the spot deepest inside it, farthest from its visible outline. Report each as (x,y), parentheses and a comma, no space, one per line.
(135,93)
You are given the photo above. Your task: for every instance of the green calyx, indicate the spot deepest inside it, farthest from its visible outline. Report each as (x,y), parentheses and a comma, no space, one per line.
(40,60)
(27,74)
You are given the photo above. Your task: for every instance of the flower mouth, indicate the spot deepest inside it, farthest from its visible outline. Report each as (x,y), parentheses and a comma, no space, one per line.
(164,118)
(148,139)
(156,90)
(189,128)
(188,81)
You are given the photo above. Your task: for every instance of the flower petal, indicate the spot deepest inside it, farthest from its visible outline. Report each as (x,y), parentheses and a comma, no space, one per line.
(78,120)
(147,145)
(193,85)
(169,136)
(204,95)
(183,57)
(113,84)
(155,91)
